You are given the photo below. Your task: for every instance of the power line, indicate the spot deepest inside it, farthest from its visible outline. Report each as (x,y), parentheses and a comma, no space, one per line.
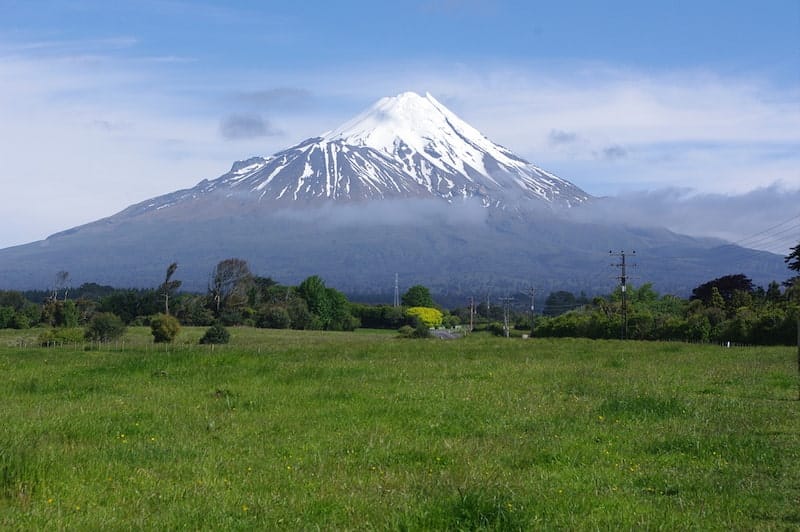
(795,217)
(768,234)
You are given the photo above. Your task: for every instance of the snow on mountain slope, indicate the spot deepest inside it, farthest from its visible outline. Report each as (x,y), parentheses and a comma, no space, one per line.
(407,146)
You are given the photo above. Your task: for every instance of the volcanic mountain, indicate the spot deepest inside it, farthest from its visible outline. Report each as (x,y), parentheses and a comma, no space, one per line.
(403,147)
(406,187)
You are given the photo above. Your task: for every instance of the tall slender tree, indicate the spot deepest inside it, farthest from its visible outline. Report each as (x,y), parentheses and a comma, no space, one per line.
(169,286)
(417,296)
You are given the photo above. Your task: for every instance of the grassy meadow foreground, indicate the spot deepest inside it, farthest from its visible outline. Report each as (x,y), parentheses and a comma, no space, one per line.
(301,430)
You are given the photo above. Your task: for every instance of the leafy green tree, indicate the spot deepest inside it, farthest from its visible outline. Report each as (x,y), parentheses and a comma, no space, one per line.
(13,299)
(328,307)
(260,290)
(92,291)
(698,328)
(725,285)
(20,321)
(315,294)
(104,327)
(130,304)
(716,300)
(417,296)
(6,314)
(739,299)
(301,317)
(33,312)
(341,318)
(773,293)
(191,309)
(164,328)
(60,313)
(378,316)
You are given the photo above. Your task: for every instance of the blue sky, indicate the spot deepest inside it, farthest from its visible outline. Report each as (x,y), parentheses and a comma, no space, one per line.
(106,104)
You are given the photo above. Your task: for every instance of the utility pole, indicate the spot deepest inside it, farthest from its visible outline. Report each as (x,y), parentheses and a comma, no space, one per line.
(506,311)
(471,313)
(623,280)
(532,291)
(396,290)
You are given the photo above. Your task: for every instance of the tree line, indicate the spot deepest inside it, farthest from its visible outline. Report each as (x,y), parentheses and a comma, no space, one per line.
(235,296)
(729,308)
(726,309)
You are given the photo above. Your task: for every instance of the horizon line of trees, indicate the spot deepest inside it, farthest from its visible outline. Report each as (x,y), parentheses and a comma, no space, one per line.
(729,308)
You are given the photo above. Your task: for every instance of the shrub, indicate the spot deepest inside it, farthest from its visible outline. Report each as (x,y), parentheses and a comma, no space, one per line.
(419,331)
(422,330)
(104,327)
(61,335)
(164,328)
(406,331)
(431,317)
(216,334)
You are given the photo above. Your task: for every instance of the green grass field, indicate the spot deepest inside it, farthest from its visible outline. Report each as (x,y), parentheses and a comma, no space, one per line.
(310,430)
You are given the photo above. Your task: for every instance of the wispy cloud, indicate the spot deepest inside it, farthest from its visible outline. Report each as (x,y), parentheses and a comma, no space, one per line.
(558,137)
(612,153)
(246,126)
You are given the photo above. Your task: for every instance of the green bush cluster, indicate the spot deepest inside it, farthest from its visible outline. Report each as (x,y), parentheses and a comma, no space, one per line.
(164,328)
(216,334)
(61,335)
(104,327)
(753,316)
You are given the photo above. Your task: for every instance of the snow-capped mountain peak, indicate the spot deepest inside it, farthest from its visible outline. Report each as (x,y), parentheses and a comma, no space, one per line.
(406,146)
(409,123)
